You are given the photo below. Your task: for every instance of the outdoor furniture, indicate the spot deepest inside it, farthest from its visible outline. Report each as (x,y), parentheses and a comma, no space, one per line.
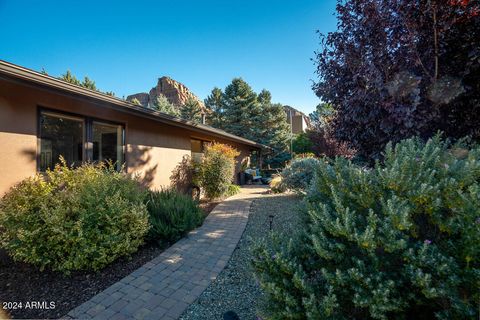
(253,175)
(266,180)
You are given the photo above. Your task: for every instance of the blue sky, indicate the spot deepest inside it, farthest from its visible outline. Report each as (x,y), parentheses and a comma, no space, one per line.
(126,45)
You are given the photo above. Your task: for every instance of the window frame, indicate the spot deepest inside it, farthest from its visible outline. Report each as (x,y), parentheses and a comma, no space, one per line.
(87,151)
(202,141)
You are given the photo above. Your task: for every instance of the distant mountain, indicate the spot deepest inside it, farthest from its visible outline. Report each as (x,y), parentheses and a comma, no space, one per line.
(176,92)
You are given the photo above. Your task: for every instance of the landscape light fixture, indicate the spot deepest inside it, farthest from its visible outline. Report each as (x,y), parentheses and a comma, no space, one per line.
(271,216)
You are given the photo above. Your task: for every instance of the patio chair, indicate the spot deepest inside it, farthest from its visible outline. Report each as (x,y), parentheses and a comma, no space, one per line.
(253,175)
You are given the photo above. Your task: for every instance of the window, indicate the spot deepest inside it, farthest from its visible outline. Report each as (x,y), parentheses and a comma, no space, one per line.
(197,149)
(61,136)
(78,139)
(107,143)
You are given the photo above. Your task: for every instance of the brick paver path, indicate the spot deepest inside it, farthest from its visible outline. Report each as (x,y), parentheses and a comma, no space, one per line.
(164,287)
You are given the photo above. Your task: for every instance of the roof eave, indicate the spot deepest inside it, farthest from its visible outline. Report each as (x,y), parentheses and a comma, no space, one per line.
(12,71)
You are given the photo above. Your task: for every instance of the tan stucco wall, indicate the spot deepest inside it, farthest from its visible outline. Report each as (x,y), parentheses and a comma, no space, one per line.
(153,149)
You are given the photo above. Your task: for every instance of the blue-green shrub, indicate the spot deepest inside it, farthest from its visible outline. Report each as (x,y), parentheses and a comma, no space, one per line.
(73,219)
(299,173)
(171,215)
(399,241)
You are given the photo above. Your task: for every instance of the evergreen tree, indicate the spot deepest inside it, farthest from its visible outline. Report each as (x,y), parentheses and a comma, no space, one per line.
(69,77)
(136,102)
(86,83)
(241,109)
(163,105)
(322,115)
(89,84)
(302,144)
(191,110)
(274,129)
(214,102)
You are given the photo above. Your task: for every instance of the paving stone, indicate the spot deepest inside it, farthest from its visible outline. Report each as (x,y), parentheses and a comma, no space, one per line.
(118,316)
(159,311)
(95,310)
(146,286)
(118,305)
(177,309)
(105,314)
(130,308)
(145,296)
(141,313)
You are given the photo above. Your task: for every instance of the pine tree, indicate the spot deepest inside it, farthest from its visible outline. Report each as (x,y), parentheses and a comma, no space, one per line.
(241,109)
(136,102)
(89,84)
(274,129)
(69,77)
(323,114)
(86,83)
(191,110)
(214,102)
(163,105)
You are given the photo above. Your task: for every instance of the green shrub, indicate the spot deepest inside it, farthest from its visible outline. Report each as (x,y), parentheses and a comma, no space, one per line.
(277,185)
(171,215)
(217,169)
(399,241)
(232,190)
(73,219)
(299,173)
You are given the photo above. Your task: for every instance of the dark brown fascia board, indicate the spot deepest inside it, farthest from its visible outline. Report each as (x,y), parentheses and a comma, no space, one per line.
(10,71)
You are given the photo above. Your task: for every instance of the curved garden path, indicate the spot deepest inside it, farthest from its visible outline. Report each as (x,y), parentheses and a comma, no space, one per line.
(164,287)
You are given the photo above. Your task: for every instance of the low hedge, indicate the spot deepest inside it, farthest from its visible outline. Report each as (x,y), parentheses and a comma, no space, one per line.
(73,219)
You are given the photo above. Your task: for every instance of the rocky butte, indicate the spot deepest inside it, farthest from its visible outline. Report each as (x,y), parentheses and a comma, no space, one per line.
(176,92)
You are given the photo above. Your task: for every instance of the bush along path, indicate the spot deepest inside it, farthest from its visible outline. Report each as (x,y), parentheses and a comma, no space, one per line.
(164,287)
(236,289)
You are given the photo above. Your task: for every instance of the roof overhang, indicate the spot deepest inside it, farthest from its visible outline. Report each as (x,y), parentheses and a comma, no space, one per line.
(15,73)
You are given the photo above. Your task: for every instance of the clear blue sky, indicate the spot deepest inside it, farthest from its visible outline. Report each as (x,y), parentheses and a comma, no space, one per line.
(126,45)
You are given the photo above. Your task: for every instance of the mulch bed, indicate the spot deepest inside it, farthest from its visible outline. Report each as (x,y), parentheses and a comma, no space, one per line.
(21,282)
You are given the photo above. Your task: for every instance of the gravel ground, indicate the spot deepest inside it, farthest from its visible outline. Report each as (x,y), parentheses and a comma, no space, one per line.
(235,289)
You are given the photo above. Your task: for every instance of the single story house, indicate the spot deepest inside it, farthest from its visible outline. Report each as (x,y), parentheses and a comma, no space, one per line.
(43,118)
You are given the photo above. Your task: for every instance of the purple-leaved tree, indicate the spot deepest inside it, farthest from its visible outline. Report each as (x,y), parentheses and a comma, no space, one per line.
(399,68)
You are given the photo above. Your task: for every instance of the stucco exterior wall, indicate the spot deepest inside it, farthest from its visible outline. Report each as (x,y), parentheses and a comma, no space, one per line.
(153,149)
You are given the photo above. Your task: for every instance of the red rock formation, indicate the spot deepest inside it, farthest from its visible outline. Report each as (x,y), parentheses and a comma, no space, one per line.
(176,92)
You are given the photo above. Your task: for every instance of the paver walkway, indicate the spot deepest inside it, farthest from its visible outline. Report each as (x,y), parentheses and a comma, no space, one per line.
(164,287)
